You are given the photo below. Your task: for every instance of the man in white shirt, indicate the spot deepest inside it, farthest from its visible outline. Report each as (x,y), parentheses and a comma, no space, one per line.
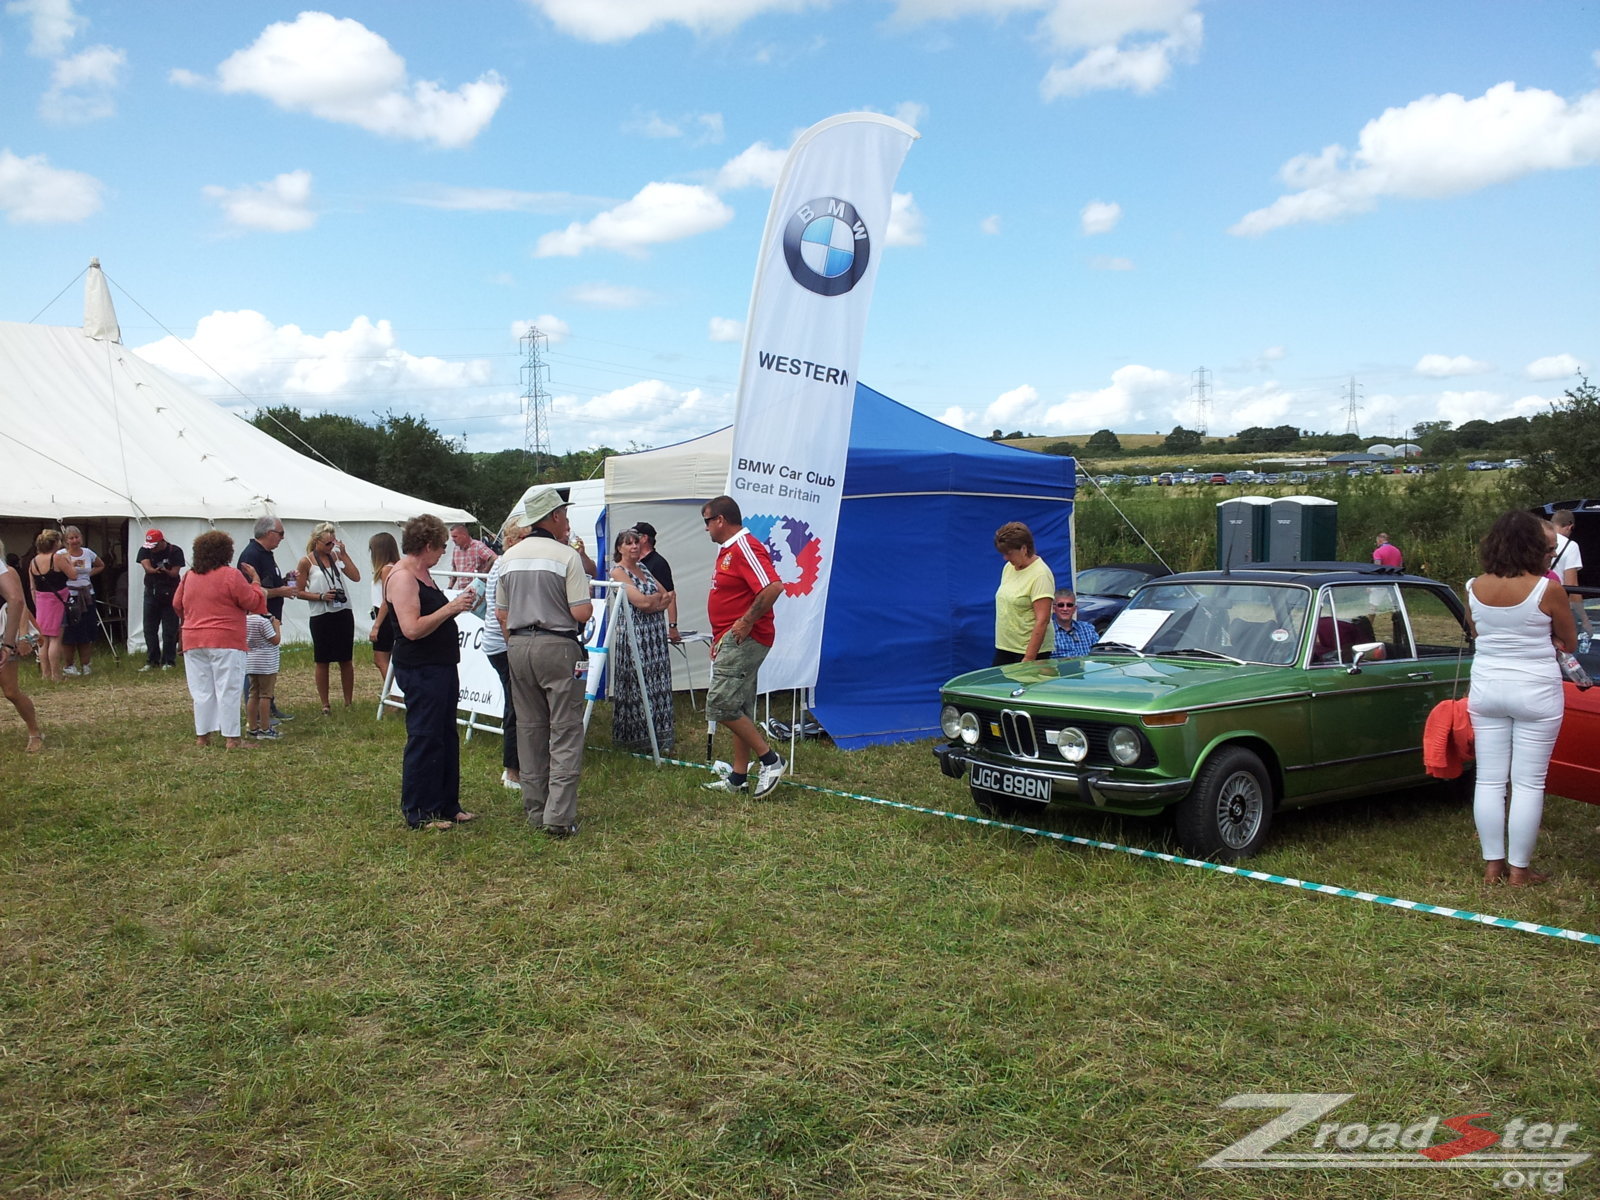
(1569,561)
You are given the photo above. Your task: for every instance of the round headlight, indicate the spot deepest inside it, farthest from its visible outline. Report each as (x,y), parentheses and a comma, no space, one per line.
(1125,747)
(967,726)
(950,721)
(1074,746)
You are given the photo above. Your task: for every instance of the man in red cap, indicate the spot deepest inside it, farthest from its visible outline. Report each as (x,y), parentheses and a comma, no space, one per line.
(162,562)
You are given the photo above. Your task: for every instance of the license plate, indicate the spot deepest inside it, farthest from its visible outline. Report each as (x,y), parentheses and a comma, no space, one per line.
(1011,783)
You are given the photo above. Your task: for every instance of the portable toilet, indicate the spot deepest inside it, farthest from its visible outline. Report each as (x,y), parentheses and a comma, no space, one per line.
(1242,531)
(1303,529)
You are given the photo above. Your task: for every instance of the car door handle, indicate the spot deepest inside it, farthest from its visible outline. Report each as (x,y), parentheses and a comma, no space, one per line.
(1420,675)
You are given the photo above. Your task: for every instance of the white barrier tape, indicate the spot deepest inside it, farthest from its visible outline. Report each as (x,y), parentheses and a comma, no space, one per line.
(1325,889)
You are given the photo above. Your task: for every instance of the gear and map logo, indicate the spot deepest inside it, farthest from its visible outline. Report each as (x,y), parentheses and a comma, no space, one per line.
(796,552)
(826,246)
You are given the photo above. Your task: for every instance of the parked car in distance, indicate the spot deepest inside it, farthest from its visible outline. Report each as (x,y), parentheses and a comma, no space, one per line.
(1103,591)
(1218,477)
(1241,476)
(1188,477)
(1299,477)
(1164,479)
(1224,697)
(1141,481)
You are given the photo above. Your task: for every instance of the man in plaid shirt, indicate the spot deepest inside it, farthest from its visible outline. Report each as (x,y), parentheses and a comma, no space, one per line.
(1074,638)
(468,556)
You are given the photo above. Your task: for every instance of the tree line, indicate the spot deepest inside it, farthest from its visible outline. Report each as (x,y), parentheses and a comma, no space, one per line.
(407,454)
(1569,432)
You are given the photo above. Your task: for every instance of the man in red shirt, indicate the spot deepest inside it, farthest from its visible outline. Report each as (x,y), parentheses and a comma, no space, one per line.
(744,588)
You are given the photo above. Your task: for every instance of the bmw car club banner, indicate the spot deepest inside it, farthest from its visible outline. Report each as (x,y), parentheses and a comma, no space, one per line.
(808,311)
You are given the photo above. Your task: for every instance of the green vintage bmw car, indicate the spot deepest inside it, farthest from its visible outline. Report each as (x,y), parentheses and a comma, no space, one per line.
(1223,695)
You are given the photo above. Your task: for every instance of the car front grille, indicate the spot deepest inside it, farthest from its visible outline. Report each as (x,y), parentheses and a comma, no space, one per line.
(1025,735)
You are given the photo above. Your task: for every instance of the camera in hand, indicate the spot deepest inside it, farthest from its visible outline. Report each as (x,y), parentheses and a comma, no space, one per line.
(337,596)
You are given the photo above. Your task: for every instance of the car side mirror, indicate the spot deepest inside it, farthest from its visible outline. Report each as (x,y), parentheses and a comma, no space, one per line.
(1364,650)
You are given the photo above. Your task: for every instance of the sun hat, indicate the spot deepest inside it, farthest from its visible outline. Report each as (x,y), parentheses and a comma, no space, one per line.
(540,505)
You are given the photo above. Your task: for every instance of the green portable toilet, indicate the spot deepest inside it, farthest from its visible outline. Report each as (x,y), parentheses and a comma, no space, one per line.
(1303,529)
(1242,531)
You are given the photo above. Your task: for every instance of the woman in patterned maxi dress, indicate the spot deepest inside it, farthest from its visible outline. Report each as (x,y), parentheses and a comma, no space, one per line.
(648,602)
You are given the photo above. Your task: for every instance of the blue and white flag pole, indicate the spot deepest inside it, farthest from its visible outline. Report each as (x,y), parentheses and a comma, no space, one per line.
(808,313)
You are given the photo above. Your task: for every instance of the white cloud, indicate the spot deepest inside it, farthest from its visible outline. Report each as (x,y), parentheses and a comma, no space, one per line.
(910,112)
(339,70)
(281,205)
(52,24)
(1554,366)
(1013,409)
(1461,407)
(757,166)
(32,192)
(1105,262)
(649,412)
(482,199)
(618,20)
(990,225)
(661,212)
(1140,68)
(1528,406)
(275,364)
(725,329)
(1100,216)
(609,295)
(554,329)
(1136,396)
(81,86)
(905,221)
(699,128)
(1239,408)
(1434,147)
(958,418)
(1443,366)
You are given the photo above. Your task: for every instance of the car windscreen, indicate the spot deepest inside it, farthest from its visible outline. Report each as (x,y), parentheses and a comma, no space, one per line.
(1110,581)
(1252,622)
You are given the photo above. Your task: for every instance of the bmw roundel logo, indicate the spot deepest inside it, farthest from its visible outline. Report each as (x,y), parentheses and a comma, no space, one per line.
(826,246)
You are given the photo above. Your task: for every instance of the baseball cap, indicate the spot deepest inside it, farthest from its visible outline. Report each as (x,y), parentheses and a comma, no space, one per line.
(153,538)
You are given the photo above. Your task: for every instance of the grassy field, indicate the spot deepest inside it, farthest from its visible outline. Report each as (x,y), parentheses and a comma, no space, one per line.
(236,974)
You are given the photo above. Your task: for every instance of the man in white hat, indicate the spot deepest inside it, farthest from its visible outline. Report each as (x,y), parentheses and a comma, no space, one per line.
(542,601)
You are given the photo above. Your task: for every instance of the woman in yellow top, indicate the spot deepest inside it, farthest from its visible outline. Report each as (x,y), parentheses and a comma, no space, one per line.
(1022,601)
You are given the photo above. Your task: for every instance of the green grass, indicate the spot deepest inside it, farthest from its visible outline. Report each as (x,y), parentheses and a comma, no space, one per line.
(238,975)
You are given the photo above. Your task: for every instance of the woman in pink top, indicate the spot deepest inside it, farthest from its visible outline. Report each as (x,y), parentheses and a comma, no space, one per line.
(212,601)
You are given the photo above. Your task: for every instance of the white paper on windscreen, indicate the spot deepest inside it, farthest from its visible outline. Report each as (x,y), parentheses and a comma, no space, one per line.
(1136,626)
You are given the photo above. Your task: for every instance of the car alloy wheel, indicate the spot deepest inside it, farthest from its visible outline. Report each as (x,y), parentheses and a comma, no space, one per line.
(1229,810)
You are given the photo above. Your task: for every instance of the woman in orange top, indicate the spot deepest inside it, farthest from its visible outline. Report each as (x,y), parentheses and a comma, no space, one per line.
(212,601)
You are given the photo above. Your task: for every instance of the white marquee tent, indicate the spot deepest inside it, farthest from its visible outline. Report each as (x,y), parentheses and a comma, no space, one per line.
(92,435)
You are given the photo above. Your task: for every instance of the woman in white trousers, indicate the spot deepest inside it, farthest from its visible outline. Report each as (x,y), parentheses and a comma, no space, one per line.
(1516,700)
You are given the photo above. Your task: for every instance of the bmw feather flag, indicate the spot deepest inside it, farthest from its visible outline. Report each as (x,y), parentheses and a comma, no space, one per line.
(797,383)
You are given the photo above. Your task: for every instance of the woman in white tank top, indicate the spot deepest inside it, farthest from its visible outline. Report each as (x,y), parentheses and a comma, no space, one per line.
(1516,698)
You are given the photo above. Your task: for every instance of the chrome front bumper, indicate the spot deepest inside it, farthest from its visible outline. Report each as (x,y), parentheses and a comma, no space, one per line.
(1093,785)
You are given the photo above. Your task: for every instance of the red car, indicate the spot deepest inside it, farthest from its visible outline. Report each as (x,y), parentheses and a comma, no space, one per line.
(1575,763)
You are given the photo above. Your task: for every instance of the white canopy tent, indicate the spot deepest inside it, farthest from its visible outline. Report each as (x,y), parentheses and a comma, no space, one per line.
(92,435)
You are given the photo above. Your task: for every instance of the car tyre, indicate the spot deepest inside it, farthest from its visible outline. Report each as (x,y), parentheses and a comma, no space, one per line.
(1227,813)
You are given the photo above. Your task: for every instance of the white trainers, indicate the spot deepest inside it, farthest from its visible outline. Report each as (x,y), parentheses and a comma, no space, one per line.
(87,670)
(725,785)
(70,671)
(768,777)
(507,782)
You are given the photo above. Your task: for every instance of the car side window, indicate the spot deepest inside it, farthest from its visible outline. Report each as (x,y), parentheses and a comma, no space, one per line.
(1352,614)
(1439,633)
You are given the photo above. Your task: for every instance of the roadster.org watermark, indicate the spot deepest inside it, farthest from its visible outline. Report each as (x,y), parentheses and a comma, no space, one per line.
(1529,1154)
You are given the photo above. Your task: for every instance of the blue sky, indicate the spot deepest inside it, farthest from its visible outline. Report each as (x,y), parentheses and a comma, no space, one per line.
(355,209)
